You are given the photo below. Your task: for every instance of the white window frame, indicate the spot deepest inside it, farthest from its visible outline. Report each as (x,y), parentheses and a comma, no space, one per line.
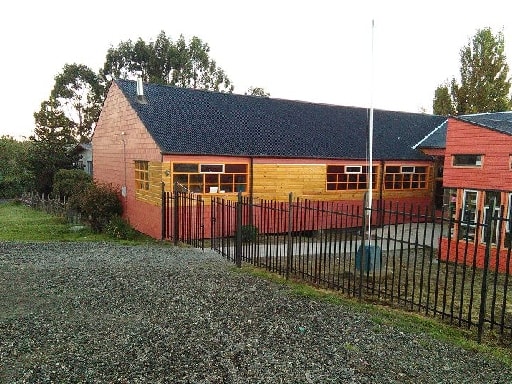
(462,218)
(412,167)
(359,171)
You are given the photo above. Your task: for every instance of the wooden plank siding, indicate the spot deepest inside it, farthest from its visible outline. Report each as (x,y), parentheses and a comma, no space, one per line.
(494,175)
(496,148)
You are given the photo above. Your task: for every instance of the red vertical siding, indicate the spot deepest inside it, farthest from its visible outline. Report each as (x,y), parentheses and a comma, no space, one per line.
(119,139)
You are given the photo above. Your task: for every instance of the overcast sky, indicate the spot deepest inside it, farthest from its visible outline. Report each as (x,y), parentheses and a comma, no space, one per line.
(315,50)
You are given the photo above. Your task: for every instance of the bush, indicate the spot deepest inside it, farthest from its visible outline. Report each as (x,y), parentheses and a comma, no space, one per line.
(97,204)
(68,182)
(249,233)
(117,228)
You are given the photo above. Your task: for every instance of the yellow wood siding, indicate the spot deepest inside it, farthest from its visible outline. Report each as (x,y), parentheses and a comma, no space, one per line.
(152,196)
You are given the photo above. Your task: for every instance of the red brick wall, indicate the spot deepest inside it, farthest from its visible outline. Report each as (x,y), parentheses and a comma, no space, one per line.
(495,173)
(119,139)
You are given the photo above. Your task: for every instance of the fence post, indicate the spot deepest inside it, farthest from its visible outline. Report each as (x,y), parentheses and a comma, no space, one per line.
(289,243)
(176,216)
(164,212)
(238,224)
(483,294)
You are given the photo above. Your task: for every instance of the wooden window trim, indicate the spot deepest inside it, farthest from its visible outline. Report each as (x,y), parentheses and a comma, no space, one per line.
(457,160)
(141,175)
(349,181)
(213,182)
(406,181)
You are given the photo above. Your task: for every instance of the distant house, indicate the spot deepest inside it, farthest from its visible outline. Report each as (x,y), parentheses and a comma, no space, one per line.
(477,170)
(218,144)
(84,151)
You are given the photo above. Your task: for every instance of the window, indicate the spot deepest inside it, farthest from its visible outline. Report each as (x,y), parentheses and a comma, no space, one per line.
(508,223)
(490,197)
(211,168)
(211,178)
(142,175)
(469,215)
(349,177)
(467,161)
(405,177)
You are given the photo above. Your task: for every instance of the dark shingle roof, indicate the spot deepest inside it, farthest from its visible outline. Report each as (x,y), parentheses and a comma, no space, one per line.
(498,121)
(191,121)
(436,138)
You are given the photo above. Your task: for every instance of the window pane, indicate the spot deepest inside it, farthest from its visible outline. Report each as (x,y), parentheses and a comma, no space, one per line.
(217,168)
(467,160)
(182,179)
(235,168)
(185,167)
(335,169)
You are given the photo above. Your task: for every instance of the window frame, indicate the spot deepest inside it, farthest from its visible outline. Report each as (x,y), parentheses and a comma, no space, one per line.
(201,165)
(477,163)
(406,179)
(230,180)
(141,175)
(337,181)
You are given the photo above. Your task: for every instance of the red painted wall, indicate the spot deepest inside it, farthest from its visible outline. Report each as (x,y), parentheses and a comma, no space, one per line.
(119,139)
(465,138)
(462,253)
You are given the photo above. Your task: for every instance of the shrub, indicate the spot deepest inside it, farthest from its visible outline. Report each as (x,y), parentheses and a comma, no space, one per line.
(249,233)
(68,182)
(98,204)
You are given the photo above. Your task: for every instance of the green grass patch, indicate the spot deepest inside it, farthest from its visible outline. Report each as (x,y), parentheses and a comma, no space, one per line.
(388,316)
(21,223)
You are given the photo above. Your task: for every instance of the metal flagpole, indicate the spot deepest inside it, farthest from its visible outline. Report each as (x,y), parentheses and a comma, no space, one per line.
(370,150)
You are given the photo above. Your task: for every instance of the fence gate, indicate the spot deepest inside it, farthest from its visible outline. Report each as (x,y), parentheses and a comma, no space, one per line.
(183,218)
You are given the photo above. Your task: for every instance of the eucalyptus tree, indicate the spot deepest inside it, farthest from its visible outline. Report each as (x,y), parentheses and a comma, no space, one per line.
(181,63)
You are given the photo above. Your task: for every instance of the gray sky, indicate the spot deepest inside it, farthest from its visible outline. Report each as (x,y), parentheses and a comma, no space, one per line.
(315,50)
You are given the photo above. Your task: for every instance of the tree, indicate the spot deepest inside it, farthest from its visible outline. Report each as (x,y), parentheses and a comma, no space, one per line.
(53,142)
(65,119)
(180,63)
(443,104)
(78,93)
(257,91)
(484,85)
(15,176)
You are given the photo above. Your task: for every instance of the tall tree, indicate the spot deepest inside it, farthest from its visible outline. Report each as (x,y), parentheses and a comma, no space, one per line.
(53,144)
(180,63)
(485,84)
(443,104)
(78,93)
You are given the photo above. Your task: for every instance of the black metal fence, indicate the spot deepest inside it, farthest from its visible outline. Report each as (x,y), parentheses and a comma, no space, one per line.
(183,218)
(402,263)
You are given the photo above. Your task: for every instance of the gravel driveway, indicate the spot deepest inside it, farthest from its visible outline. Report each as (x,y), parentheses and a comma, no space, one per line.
(104,313)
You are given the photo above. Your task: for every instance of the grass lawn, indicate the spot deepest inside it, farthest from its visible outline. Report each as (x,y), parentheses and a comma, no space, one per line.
(21,223)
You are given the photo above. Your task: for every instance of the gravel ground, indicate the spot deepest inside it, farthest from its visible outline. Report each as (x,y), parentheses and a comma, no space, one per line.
(103,313)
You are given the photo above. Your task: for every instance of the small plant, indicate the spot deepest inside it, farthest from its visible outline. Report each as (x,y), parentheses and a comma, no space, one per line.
(118,228)
(249,233)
